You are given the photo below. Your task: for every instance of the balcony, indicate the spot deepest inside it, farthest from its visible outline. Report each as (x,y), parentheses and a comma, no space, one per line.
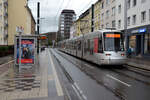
(5,36)
(5,3)
(6,25)
(5,14)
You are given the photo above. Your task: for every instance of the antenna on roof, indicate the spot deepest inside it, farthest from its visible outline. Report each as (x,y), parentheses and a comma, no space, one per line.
(110,28)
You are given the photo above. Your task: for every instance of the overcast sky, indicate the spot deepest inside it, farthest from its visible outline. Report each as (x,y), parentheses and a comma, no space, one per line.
(51,9)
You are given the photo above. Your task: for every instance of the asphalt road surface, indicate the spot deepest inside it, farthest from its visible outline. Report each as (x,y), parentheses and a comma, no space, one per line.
(93,82)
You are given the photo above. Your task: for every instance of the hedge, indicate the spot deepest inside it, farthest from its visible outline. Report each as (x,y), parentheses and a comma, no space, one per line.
(6,50)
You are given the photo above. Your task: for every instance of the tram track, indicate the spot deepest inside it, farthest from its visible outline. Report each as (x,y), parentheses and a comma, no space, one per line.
(72,82)
(119,72)
(137,69)
(115,91)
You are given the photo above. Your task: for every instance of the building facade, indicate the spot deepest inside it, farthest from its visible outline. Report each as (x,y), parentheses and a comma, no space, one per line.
(108,14)
(67,17)
(14,13)
(85,22)
(77,27)
(138,27)
(97,13)
(3,22)
(131,17)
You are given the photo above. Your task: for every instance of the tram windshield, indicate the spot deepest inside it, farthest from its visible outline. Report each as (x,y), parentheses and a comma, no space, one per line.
(113,41)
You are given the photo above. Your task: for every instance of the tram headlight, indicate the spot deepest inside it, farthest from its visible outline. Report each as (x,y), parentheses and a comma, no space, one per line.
(108,54)
(122,54)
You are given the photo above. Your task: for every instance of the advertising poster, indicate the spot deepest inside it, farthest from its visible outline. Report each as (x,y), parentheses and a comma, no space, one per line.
(27,51)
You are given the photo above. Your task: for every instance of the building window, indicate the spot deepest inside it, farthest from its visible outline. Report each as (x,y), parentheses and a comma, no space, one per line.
(1,18)
(102,5)
(107,14)
(107,25)
(134,19)
(119,24)
(1,6)
(134,3)
(119,9)
(102,16)
(143,1)
(143,16)
(113,24)
(113,11)
(149,14)
(102,26)
(147,44)
(1,29)
(132,43)
(128,4)
(107,2)
(113,0)
(128,21)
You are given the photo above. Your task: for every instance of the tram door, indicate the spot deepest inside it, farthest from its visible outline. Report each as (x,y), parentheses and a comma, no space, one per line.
(95,45)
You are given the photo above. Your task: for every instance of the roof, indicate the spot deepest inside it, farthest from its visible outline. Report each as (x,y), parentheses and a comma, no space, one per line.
(84,14)
(68,11)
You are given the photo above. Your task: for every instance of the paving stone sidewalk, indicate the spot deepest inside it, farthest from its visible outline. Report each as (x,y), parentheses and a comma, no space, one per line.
(6,59)
(27,84)
(141,63)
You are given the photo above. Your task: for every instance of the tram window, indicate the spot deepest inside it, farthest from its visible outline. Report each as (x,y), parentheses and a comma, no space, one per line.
(85,46)
(113,41)
(100,45)
(91,46)
(88,44)
(79,45)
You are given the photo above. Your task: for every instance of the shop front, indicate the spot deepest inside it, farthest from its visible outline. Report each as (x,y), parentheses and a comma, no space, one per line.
(138,40)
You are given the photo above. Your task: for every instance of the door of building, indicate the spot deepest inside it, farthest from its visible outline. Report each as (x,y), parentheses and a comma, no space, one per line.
(138,44)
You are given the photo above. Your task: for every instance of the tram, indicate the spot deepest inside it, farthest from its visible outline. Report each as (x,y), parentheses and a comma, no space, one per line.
(103,47)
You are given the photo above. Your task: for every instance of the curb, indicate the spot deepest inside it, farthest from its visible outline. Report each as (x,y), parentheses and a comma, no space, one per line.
(139,66)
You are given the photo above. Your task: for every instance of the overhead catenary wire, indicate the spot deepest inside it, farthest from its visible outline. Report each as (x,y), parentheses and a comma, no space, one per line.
(67,5)
(85,7)
(60,7)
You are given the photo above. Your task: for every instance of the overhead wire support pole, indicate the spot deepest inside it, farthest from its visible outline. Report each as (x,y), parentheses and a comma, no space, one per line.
(125,23)
(38,23)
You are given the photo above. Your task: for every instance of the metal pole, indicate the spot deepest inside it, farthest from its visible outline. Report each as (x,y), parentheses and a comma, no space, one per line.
(20,37)
(38,22)
(125,24)
(92,22)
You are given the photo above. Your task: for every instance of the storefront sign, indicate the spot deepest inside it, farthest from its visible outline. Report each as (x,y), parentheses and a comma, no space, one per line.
(134,31)
(142,30)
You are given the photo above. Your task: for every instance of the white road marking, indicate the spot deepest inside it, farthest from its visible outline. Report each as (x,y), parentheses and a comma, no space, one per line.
(57,82)
(88,66)
(76,92)
(77,89)
(6,63)
(118,80)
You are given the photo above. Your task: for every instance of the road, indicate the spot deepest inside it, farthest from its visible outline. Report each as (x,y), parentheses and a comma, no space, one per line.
(93,82)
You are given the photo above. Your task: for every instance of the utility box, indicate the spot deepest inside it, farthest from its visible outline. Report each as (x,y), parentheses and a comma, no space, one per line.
(25,52)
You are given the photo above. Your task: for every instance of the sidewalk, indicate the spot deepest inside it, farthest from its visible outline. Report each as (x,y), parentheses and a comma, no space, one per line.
(6,59)
(36,83)
(141,63)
